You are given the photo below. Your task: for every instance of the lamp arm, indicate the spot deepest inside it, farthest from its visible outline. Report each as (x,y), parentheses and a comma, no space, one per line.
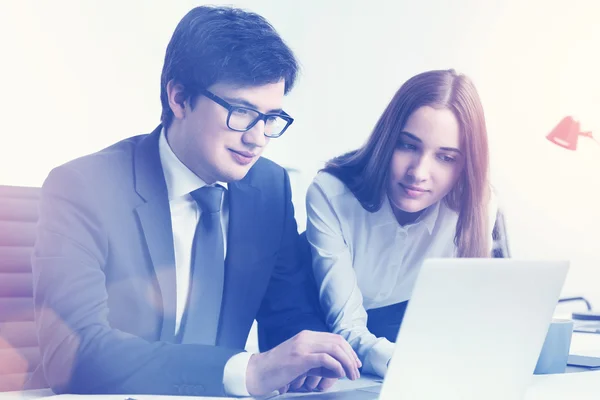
(589,135)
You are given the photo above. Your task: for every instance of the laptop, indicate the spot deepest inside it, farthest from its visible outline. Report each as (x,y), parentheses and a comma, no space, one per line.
(473,330)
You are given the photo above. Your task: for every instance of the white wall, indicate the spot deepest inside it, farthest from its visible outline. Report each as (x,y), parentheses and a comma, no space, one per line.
(80,75)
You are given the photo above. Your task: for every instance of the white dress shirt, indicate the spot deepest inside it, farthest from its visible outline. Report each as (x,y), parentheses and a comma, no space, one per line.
(365,260)
(185,214)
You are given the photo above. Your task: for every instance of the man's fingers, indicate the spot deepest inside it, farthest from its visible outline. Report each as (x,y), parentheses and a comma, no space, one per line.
(350,352)
(326,384)
(325,339)
(337,349)
(284,389)
(297,383)
(324,365)
(346,348)
(325,373)
(311,383)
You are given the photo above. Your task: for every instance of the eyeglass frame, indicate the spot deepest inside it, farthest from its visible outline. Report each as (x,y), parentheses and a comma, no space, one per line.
(261,116)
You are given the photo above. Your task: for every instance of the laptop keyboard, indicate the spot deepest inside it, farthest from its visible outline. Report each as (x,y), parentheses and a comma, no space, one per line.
(367,393)
(587,326)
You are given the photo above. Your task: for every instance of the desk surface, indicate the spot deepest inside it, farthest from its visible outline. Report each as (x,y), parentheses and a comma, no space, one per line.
(580,385)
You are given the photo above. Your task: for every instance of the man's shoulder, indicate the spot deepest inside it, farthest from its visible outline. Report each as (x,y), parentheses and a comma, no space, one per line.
(264,165)
(265,173)
(107,159)
(110,170)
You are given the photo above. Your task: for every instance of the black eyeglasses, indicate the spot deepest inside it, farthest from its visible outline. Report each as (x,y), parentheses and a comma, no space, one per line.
(242,119)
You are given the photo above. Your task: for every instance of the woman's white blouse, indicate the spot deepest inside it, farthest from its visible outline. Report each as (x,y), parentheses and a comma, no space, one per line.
(364,260)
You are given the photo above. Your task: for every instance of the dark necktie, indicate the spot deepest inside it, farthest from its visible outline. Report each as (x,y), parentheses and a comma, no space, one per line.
(200,322)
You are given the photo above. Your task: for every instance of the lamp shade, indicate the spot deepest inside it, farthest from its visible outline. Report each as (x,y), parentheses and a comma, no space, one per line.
(565,133)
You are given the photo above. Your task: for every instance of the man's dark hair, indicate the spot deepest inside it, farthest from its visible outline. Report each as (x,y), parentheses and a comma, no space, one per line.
(225,45)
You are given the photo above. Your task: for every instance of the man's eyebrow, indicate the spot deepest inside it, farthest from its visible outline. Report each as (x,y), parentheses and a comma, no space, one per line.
(243,102)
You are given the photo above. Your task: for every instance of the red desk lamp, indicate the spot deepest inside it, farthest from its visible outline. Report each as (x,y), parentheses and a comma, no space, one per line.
(566,133)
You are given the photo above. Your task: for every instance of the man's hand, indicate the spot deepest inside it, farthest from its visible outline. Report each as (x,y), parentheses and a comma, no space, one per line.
(306,355)
(309,384)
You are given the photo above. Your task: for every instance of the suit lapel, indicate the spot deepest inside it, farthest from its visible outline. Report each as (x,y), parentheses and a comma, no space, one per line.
(245,245)
(244,201)
(155,217)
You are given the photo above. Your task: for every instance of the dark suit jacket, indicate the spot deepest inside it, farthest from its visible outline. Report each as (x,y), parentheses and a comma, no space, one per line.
(104,276)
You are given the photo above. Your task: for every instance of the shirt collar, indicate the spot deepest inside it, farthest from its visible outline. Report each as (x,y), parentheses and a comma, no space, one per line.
(180,179)
(427,219)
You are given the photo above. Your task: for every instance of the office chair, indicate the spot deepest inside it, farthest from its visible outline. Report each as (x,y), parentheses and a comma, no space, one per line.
(19,351)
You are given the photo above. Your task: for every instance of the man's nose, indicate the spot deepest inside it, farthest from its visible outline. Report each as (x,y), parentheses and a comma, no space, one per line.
(255,136)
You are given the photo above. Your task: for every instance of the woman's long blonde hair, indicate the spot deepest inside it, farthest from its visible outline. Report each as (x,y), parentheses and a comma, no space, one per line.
(365,171)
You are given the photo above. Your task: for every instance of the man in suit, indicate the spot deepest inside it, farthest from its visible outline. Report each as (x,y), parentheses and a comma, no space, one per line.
(154,256)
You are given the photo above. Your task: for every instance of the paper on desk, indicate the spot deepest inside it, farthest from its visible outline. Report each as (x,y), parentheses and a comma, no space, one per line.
(131,397)
(578,385)
(342,384)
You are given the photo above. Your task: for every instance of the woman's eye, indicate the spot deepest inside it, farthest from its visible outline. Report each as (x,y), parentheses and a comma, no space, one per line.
(406,146)
(447,158)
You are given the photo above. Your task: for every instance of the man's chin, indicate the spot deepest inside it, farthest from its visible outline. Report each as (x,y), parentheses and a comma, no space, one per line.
(236,174)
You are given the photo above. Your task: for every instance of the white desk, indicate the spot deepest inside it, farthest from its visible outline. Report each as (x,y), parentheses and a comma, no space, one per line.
(573,385)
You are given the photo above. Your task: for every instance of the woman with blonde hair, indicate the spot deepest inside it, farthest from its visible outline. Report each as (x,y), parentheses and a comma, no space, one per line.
(417,189)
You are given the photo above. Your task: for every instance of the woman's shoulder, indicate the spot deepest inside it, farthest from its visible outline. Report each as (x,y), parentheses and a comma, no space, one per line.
(327,190)
(330,185)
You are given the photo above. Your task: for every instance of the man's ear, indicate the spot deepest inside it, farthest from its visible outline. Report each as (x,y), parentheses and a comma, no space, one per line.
(176,96)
